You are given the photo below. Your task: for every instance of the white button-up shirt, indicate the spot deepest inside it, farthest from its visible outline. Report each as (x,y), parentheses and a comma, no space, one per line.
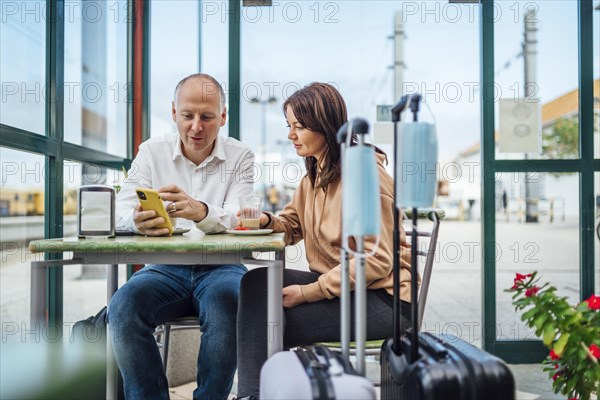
(219,181)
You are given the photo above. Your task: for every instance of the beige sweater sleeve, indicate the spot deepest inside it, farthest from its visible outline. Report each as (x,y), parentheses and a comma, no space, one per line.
(290,219)
(377,266)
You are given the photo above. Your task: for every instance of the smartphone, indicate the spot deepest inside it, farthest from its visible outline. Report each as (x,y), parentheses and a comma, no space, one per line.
(150,200)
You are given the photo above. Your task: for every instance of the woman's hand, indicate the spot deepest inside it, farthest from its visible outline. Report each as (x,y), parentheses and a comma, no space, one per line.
(264,220)
(292,296)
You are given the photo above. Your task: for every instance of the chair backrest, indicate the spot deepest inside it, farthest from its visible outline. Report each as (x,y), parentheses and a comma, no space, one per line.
(435,216)
(373,347)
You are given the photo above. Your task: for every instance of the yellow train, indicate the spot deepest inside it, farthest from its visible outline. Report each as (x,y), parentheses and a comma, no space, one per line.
(31,202)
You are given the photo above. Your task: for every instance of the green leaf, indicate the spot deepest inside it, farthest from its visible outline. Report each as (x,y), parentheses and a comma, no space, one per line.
(539,332)
(549,333)
(574,319)
(581,354)
(571,383)
(522,302)
(558,384)
(560,344)
(539,321)
(530,314)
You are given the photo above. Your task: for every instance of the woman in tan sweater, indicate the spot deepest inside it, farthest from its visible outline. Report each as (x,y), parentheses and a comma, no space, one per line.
(312,308)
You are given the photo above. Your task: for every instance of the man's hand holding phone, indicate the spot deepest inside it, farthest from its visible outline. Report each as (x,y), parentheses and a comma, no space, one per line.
(150,216)
(148,223)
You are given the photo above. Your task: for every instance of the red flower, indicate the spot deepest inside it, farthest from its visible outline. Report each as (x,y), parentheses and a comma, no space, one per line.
(593,302)
(555,376)
(595,350)
(531,291)
(553,355)
(521,277)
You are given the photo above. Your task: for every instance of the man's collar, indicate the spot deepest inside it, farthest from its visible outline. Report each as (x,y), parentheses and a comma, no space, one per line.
(218,151)
(177,152)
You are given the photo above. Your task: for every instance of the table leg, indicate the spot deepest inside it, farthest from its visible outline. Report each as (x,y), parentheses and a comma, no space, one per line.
(275,305)
(112,280)
(38,294)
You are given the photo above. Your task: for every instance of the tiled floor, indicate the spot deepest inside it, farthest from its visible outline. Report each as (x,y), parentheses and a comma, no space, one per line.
(531,382)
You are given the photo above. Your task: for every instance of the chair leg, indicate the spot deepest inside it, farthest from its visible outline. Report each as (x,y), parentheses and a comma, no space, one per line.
(165,345)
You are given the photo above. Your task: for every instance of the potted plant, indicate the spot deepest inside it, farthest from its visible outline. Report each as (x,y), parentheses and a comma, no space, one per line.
(571,333)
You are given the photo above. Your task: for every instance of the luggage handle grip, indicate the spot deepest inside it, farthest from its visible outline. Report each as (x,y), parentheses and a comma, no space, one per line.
(439,351)
(352,127)
(398,108)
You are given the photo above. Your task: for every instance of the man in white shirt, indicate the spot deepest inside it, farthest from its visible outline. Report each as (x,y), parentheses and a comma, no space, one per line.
(201,175)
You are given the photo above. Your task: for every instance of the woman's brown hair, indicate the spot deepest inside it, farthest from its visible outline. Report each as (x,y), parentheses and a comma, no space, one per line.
(320,108)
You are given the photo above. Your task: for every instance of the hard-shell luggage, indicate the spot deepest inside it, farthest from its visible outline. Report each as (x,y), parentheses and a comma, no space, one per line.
(312,374)
(421,365)
(318,373)
(447,368)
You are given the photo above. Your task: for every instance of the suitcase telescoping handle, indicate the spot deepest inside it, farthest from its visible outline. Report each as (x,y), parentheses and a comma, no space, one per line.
(342,134)
(413,102)
(396,113)
(346,136)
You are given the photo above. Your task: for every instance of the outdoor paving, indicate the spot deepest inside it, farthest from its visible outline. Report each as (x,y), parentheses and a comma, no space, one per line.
(531,383)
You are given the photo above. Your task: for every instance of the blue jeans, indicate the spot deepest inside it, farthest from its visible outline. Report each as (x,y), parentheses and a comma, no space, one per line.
(161,293)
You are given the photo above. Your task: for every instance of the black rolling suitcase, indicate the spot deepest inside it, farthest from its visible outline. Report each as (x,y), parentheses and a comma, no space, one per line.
(446,368)
(425,366)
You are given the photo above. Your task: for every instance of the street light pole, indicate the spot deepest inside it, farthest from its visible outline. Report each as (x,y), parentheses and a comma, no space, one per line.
(263,129)
(263,123)
(532,187)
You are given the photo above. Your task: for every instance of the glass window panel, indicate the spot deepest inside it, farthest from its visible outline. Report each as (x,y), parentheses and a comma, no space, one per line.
(450,34)
(84,286)
(96,75)
(596,41)
(22,65)
(536,93)
(272,67)
(550,246)
(597,116)
(22,219)
(457,264)
(173,56)
(214,53)
(597,240)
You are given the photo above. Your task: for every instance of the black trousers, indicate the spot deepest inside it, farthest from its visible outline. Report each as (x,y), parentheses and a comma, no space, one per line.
(305,324)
